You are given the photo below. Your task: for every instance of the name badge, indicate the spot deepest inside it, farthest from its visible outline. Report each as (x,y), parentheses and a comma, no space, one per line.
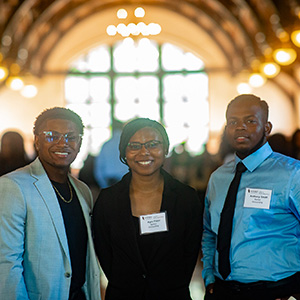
(153,223)
(257,198)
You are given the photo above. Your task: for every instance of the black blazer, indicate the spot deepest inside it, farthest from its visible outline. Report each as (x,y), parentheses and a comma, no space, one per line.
(174,254)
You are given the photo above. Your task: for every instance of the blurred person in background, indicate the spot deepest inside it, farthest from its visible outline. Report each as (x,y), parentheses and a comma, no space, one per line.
(107,167)
(295,144)
(279,143)
(12,153)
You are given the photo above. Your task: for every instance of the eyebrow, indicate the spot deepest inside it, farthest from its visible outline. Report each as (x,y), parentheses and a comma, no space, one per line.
(236,117)
(54,131)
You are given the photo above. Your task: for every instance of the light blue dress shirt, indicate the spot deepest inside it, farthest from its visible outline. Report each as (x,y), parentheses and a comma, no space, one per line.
(108,166)
(265,243)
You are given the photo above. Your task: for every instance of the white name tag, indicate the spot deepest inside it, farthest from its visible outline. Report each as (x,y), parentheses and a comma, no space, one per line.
(153,223)
(257,198)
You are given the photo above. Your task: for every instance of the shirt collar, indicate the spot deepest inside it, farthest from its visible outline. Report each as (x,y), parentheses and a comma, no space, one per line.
(255,159)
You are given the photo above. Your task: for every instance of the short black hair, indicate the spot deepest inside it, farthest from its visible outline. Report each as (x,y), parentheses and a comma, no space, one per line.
(57,113)
(250,97)
(135,125)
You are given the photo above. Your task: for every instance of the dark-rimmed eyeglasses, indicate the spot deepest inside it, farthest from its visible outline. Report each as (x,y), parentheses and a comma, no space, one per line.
(55,137)
(151,145)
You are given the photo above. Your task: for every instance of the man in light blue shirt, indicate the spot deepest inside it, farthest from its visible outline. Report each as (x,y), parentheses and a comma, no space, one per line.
(265,242)
(108,168)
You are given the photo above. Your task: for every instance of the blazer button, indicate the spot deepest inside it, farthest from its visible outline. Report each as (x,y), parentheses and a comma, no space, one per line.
(144,276)
(67,275)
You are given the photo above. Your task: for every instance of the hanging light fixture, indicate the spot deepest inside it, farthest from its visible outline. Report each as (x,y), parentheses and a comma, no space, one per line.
(285,56)
(122,13)
(15,83)
(295,36)
(29,91)
(270,69)
(244,88)
(3,73)
(256,80)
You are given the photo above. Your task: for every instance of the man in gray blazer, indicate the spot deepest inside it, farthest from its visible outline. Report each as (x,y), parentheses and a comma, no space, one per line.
(46,249)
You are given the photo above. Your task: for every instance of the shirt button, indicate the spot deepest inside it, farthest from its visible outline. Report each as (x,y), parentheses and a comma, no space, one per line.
(67,275)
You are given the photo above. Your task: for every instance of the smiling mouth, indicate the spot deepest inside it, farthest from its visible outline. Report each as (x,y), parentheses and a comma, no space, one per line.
(241,138)
(145,163)
(64,154)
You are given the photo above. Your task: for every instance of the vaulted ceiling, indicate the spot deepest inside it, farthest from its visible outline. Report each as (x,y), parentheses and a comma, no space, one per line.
(244,30)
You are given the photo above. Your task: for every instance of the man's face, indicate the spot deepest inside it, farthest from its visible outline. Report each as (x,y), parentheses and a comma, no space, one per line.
(57,153)
(247,128)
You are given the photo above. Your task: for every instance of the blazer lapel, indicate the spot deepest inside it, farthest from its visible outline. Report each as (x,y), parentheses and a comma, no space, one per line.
(44,187)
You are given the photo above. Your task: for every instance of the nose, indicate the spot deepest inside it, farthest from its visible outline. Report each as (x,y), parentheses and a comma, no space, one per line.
(144,150)
(62,140)
(241,124)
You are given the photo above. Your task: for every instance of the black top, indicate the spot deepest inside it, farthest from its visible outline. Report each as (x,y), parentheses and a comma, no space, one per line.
(145,241)
(163,271)
(76,233)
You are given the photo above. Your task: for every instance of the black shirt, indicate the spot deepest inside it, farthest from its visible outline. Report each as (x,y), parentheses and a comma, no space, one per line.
(145,242)
(76,231)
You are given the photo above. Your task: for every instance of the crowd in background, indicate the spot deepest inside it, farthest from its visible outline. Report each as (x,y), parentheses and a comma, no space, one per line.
(192,170)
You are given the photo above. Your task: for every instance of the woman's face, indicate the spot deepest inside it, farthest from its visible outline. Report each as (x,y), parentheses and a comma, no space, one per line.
(145,153)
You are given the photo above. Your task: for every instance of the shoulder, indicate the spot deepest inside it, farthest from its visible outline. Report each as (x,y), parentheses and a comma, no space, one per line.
(112,194)
(17,176)
(284,161)
(173,182)
(223,170)
(181,189)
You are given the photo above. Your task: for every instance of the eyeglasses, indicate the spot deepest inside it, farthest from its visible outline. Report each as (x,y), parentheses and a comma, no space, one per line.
(55,137)
(151,145)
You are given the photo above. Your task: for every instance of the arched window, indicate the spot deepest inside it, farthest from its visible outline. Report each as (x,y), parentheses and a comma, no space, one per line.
(139,79)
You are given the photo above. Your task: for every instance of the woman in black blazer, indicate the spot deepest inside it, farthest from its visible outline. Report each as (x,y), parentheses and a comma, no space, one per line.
(147,227)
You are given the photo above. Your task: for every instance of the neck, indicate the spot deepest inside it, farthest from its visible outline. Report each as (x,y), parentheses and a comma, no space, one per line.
(242,155)
(56,174)
(146,183)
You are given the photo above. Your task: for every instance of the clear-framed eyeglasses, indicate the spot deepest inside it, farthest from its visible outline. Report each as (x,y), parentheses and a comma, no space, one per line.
(151,145)
(54,137)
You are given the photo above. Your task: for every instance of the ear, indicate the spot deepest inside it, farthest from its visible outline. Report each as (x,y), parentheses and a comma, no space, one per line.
(36,143)
(268,128)
(79,145)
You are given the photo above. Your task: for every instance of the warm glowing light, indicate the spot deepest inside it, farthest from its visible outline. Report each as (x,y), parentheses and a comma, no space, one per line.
(111,30)
(256,80)
(285,56)
(296,38)
(154,28)
(244,88)
(29,91)
(15,83)
(282,35)
(139,12)
(123,30)
(15,69)
(122,13)
(270,69)
(134,29)
(3,73)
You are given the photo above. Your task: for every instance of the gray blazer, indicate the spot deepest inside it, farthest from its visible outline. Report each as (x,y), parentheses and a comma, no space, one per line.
(34,255)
